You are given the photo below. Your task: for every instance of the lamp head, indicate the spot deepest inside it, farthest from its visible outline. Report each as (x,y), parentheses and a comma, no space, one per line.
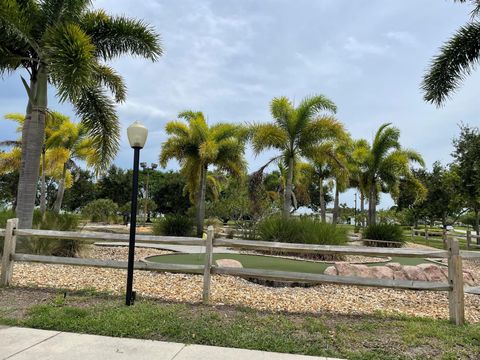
(154,166)
(137,135)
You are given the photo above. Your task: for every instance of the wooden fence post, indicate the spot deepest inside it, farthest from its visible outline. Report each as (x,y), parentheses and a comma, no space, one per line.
(456,295)
(426,236)
(469,238)
(412,233)
(8,250)
(444,237)
(208,265)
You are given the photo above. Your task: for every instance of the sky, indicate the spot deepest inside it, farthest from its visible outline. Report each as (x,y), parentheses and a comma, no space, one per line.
(229,58)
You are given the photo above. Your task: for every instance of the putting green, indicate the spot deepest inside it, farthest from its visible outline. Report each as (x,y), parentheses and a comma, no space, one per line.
(266,262)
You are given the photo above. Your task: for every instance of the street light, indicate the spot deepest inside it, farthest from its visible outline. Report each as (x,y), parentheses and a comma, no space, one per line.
(137,135)
(144,166)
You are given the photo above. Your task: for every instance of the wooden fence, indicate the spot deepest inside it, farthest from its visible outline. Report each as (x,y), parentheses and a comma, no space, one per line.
(444,234)
(455,273)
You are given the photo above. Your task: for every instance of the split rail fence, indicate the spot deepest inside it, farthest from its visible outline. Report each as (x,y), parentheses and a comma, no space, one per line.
(454,286)
(445,234)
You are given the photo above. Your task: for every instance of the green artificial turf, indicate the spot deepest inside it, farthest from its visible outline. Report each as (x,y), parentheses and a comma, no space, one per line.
(266,262)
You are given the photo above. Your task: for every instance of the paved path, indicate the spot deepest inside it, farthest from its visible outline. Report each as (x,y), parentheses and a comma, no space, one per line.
(32,344)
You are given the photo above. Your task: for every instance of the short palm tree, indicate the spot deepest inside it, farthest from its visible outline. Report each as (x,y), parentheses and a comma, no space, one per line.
(196,146)
(66,44)
(456,59)
(385,163)
(70,142)
(296,132)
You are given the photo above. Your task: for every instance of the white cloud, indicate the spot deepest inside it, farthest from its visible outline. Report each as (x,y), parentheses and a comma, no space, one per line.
(403,37)
(358,48)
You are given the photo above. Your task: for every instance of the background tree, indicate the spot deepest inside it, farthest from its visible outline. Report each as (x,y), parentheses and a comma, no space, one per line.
(196,146)
(295,132)
(167,189)
(116,185)
(384,165)
(66,44)
(467,159)
(82,191)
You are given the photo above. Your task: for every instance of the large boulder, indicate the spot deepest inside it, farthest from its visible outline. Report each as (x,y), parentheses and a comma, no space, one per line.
(414,273)
(331,270)
(381,272)
(228,263)
(433,272)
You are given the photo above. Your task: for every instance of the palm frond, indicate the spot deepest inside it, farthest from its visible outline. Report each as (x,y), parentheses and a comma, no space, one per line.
(456,59)
(267,136)
(115,36)
(99,118)
(108,77)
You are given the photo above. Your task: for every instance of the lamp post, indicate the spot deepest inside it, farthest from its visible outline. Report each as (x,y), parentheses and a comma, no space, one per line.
(137,135)
(144,166)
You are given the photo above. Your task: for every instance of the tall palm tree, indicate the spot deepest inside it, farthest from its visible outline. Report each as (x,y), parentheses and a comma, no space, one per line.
(196,146)
(72,142)
(66,45)
(385,163)
(456,59)
(296,132)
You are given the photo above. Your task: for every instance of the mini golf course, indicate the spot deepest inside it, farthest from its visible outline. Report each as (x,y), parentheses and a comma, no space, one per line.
(269,262)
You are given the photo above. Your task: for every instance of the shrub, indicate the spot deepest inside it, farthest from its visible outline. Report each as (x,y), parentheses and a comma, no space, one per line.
(391,233)
(173,225)
(101,210)
(301,230)
(48,246)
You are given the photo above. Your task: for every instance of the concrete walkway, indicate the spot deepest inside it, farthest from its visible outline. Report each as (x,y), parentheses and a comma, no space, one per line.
(32,344)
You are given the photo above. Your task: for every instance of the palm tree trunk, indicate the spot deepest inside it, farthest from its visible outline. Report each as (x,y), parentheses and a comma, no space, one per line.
(372,206)
(61,191)
(362,207)
(323,208)
(32,141)
(43,187)
(201,201)
(287,203)
(336,204)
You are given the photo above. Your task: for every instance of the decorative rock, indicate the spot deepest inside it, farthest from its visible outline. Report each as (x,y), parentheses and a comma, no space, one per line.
(414,273)
(331,270)
(399,275)
(345,269)
(433,272)
(381,272)
(394,266)
(230,263)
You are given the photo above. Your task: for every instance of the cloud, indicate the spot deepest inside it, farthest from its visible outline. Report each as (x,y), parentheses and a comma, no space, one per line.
(358,49)
(403,37)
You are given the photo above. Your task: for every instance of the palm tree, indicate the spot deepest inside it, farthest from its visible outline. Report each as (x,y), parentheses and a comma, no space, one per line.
(384,164)
(296,132)
(70,142)
(196,146)
(456,59)
(66,44)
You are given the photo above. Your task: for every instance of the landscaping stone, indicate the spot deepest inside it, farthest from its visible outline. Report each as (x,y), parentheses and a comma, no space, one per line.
(414,273)
(381,272)
(433,272)
(230,263)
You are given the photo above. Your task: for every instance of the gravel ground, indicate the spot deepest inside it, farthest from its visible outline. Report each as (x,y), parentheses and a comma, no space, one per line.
(235,291)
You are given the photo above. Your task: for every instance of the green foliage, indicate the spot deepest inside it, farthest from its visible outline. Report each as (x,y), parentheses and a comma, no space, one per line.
(302,230)
(101,210)
(391,233)
(82,191)
(174,225)
(45,246)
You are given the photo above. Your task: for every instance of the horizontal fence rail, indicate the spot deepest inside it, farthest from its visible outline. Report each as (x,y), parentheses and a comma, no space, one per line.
(73,235)
(454,286)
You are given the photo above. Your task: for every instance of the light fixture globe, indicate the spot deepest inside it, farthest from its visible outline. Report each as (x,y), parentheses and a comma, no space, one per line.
(137,135)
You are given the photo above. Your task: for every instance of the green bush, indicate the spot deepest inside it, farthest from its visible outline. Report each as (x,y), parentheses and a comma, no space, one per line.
(48,246)
(174,225)
(302,230)
(391,233)
(101,210)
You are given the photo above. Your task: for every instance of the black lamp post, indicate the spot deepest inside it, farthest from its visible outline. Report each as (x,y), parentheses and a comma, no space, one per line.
(137,135)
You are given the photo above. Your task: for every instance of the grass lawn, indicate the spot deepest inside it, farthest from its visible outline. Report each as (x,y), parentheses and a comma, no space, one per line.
(438,242)
(362,337)
(266,262)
